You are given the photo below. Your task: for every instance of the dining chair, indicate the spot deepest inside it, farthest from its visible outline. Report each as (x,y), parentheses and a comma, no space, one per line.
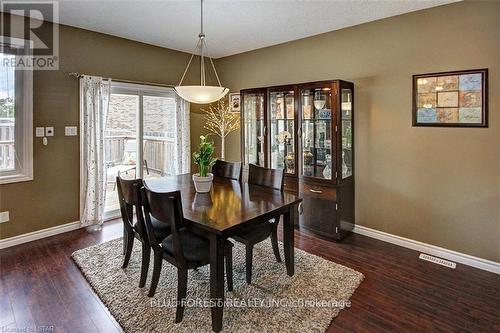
(135,228)
(231,170)
(182,248)
(271,178)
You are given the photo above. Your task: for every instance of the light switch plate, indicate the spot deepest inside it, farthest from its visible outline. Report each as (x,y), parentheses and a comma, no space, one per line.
(40,132)
(70,130)
(49,131)
(4,217)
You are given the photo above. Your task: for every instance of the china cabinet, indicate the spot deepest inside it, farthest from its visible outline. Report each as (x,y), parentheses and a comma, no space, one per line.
(307,130)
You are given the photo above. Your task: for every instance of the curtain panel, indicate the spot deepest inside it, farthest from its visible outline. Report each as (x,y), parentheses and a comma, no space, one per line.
(94,103)
(182,156)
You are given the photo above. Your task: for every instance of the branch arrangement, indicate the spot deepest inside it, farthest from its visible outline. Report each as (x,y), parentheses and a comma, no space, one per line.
(220,120)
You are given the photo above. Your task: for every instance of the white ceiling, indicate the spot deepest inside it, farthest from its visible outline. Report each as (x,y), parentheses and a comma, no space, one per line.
(231,26)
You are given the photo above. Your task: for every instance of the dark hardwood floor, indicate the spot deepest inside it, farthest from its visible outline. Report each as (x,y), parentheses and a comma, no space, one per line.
(41,286)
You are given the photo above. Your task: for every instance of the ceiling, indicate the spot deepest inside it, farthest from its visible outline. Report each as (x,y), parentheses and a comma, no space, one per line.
(231,26)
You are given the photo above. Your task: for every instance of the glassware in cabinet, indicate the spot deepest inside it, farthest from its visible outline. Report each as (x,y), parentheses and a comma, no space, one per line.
(347,135)
(254,127)
(282,130)
(317,138)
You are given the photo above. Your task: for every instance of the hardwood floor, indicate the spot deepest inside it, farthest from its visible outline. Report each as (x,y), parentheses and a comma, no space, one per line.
(41,286)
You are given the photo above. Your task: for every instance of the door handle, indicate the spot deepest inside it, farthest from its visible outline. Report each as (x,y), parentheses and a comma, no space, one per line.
(300,209)
(299,132)
(264,130)
(315,191)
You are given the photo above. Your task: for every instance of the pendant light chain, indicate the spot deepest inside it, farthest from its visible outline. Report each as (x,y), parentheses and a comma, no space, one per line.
(202,46)
(202,42)
(201,18)
(201,93)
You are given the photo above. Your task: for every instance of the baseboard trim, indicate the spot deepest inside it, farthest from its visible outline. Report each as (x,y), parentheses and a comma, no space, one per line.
(462,258)
(39,234)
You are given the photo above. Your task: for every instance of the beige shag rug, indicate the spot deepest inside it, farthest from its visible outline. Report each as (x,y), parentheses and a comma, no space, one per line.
(306,302)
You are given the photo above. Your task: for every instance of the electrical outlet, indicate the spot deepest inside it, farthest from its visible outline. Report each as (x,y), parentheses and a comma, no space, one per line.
(4,217)
(49,131)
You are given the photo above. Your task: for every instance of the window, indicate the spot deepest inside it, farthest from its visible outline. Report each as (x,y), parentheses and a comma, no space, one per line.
(16,115)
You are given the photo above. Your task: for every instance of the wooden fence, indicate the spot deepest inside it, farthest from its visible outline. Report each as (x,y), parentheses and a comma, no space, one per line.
(158,152)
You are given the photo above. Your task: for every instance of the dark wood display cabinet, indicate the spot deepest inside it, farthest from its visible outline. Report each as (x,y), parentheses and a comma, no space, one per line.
(308,130)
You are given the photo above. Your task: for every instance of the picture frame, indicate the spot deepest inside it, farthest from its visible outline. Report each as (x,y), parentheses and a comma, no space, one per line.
(235,102)
(451,99)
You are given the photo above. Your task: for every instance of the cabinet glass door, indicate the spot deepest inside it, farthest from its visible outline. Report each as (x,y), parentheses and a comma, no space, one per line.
(282,130)
(254,128)
(317,140)
(347,151)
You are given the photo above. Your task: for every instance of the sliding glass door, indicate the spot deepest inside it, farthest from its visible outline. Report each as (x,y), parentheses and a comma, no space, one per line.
(158,133)
(141,136)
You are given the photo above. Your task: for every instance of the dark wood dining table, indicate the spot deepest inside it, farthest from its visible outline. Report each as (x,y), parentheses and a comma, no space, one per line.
(229,206)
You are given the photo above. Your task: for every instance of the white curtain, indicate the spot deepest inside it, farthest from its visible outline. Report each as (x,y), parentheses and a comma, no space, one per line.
(182,156)
(94,103)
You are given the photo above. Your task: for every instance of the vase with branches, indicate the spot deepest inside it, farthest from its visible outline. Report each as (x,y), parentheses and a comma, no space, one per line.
(220,120)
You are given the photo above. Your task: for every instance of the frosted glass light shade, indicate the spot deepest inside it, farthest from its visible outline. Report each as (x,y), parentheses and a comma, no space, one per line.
(201,94)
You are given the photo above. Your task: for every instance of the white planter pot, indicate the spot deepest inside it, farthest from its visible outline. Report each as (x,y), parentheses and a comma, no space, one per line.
(203,184)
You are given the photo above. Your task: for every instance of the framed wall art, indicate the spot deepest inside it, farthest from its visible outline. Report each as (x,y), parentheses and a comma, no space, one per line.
(235,102)
(451,99)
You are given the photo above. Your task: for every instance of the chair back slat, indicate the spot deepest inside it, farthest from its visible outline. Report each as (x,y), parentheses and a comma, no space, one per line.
(166,208)
(272,178)
(231,170)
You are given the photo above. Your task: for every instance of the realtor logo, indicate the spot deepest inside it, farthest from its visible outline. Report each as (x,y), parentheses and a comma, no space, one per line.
(27,30)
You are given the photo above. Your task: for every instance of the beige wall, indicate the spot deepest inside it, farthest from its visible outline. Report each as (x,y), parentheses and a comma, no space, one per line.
(52,197)
(436,185)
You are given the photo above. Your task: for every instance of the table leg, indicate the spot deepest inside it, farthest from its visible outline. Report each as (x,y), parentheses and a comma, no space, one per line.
(288,239)
(217,280)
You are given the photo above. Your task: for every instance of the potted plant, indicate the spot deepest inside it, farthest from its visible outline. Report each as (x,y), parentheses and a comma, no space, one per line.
(203,158)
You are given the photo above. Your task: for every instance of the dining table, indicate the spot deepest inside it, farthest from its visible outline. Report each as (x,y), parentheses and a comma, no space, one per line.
(230,206)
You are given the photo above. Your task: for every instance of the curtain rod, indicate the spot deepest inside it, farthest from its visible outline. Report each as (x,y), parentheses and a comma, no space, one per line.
(79,75)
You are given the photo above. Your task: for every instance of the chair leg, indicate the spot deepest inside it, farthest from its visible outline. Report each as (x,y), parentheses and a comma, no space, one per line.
(146,254)
(129,241)
(158,259)
(249,257)
(229,268)
(182,275)
(124,239)
(274,242)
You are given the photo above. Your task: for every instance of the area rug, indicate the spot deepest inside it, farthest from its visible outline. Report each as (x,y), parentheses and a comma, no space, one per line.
(306,302)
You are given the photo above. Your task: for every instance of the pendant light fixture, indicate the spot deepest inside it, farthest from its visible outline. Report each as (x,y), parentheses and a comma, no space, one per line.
(201,94)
